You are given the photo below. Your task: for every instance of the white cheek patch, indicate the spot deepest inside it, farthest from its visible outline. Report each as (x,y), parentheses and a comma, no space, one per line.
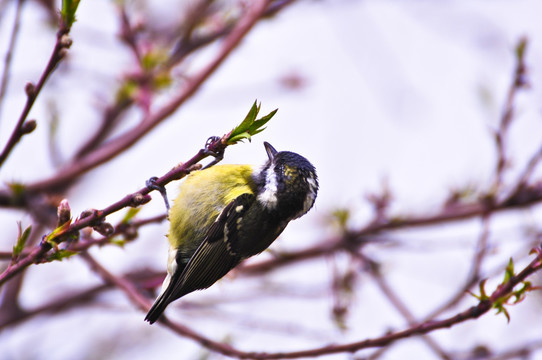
(312,184)
(311,196)
(309,201)
(268,196)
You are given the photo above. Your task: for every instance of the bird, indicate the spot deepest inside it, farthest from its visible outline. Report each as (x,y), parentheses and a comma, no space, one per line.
(225,214)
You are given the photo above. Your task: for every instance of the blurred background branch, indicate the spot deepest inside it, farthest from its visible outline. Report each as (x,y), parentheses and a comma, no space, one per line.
(360,269)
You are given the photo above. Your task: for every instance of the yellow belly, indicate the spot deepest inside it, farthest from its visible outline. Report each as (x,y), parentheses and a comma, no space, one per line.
(203,195)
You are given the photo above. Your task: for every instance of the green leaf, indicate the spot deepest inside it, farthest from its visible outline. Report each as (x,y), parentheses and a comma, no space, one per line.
(153,58)
(483,295)
(250,126)
(118,242)
(501,309)
(127,91)
(239,137)
(340,218)
(52,237)
(21,239)
(161,81)
(69,7)
(522,293)
(520,49)
(261,122)
(509,271)
(249,119)
(130,214)
(60,254)
(17,189)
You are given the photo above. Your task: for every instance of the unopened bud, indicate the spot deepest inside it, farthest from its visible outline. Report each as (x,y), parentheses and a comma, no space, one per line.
(194,167)
(65,41)
(29,126)
(30,89)
(63,212)
(139,199)
(87,213)
(62,53)
(128,230)
(104,229)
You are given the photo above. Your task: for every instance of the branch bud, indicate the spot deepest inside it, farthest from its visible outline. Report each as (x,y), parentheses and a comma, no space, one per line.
(104,229)
(86,213)
(139,199)
(194,167)
(30,89)
(63,212)
(65,41)
(29,126)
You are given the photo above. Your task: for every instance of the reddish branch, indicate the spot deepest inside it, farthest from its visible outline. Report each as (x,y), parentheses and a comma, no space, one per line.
(253,13)
(472,313)
(23,127)
(521,196)
(502,291)
(519,82)
(112,149)
(474,275)
(402,308)
(524,197)
(96,217)
(188,42)
(10,51)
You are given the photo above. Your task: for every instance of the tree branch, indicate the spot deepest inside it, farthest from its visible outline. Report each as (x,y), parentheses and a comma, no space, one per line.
(10,51)
(111,149)
(473,312)
(23,127)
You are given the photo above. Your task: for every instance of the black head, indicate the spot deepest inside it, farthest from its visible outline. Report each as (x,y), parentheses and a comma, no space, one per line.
(288,184)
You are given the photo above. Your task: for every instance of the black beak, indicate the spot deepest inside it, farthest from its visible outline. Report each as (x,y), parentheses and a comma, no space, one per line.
(271,151)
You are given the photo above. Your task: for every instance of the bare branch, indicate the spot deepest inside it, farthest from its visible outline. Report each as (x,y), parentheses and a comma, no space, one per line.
(473,312)
(109,150)
(10,51)
(519,82)
(23,127)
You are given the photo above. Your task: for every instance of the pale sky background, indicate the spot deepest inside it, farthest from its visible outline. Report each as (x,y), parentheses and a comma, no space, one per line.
(403,92)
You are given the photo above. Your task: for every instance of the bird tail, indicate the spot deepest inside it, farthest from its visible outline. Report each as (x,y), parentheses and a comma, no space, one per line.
(162,300)
(157,308)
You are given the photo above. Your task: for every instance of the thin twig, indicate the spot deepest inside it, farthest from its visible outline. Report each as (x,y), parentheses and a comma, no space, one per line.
(144,304)
(65,302)
(9,54)
(523,351)
(528,196)
(400,306)
(527,173)
(519,82)
(474,274)
(96,217)
(10,307)
(473,312)
(120,229)
(109,150)
(32,91)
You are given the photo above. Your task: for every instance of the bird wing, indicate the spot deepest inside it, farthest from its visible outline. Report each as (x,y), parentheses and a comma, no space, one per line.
(214,258)
(217,254)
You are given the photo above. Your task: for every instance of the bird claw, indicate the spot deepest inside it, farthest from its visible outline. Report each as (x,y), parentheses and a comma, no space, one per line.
(218,156)
(152,185)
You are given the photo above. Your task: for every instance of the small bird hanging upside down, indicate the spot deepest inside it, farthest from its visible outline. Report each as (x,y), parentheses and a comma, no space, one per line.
(227,213)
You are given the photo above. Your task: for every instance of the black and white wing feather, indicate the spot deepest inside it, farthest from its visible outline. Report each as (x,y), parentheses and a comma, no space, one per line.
(214,258)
